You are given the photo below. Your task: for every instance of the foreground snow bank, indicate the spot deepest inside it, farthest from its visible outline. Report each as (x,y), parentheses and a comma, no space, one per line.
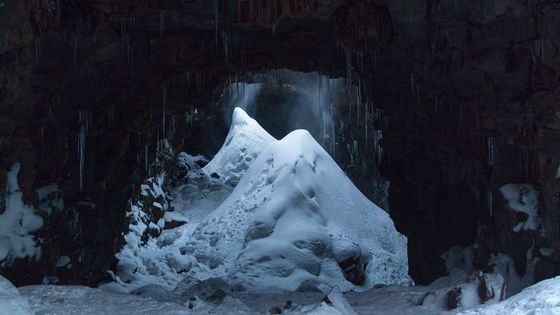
(542,298)
(70,300)
(11,302)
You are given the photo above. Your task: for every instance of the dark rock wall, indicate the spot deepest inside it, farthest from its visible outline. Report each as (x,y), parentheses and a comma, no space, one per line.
(448,80)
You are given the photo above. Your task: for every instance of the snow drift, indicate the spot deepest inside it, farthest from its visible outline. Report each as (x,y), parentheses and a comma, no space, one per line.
(293,222)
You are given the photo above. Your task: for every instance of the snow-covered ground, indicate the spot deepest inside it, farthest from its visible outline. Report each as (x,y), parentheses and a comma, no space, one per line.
(540,299)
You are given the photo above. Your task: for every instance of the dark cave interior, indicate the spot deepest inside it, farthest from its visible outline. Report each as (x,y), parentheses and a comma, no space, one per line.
(466,97)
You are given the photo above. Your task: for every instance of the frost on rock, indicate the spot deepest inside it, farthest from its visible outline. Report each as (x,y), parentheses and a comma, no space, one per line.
(146,221)
(11,302)
(245,140)
(523,198)
(294,221)
(17,224)
(50,198)
(504,265)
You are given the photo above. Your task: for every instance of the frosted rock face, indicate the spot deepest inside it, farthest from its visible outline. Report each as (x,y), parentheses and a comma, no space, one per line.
(11,302)
(295,220)
(245,140)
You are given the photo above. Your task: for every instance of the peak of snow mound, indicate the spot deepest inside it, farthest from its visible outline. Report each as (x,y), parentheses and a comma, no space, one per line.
(244,142)
(295,221)
(241,118)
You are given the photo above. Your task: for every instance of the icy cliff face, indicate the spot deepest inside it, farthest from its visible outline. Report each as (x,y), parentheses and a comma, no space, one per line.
(294,221)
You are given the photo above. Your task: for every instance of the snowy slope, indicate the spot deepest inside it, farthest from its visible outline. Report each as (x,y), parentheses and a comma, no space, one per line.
(291,219)
(245,140)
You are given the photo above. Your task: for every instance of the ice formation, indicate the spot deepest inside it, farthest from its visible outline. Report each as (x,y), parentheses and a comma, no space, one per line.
(294,221)
(17,223)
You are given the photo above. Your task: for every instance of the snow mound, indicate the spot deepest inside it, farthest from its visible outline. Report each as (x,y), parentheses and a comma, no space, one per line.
(11,302)
(295,221)
(245,140)
(542,298)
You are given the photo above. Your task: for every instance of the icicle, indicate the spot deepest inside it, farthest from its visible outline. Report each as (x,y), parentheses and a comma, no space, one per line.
(146,157)
(491,150)
(172,127)
(490,200)
(84,122)
(37,50)
(366,135)
(161,23)
(65,150)
(348,58)
(216,16)
(75,53)
(58,11)
(163,110)
(377,136)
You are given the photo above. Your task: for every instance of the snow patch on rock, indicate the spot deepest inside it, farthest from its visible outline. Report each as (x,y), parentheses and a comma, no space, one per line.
(17,223)
(523,198)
